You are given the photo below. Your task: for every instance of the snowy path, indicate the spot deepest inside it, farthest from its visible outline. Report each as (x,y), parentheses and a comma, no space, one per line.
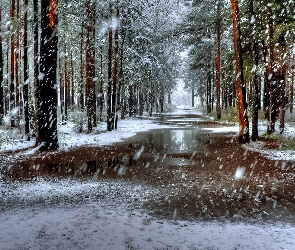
(83,217)
(93,226)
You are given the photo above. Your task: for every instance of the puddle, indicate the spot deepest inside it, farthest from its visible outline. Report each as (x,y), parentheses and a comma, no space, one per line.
(157,148)
(171,140)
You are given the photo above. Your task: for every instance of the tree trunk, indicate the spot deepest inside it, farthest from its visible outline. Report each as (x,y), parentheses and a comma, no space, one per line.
(240,84)
(141,102)
(90,81)
(266,83)
(208,99)
(255,52)
(218,61)
(36,69)
(1,73)
(233,94)
(230,95)
(93,89)
(193,96)
(272,112)
(100,98)
(16,61)
(12,67)
(292,90)
(150,101)
(130,101)
(169,98)
(162,101)
(120,96)
(110,115)
(26,74)
(212,81)
(115,72)
(282,96)
(123,107)
(47,90)
(66,85)
(225,96)
(256,104)
(72,82)
(62,93)
(81,88)
(7,90)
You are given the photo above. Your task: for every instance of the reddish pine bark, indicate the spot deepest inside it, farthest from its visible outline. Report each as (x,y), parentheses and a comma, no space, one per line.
(240,82)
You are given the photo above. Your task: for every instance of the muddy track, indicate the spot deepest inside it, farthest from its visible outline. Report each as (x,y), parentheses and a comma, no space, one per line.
(220,180)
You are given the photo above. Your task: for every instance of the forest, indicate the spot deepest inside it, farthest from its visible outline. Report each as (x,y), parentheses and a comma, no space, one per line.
(152,124)
(107,60)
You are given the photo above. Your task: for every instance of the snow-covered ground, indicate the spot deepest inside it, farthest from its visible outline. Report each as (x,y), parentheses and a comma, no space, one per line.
(107,215)
(68,138)
(274,154)
(11,139)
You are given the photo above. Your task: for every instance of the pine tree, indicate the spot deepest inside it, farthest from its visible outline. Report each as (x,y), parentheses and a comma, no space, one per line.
(240,83)
(12,66)
(1,72)
(26,74)
(47,84)
(90,66)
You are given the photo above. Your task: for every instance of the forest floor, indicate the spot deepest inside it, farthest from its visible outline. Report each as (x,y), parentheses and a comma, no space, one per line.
(215,194)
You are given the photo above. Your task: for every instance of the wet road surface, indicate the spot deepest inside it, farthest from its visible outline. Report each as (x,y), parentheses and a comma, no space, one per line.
(197,174)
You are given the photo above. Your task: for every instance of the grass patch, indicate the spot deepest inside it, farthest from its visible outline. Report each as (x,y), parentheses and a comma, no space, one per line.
(272,136)
(230,114)
(287,143)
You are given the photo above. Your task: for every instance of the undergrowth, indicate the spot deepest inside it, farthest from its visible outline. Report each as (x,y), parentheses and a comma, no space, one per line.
(287,143)
(230,114)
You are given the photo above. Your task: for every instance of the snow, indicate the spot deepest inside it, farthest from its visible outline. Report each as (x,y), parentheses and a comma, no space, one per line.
(10,139)
(68,138)
(98,214)
(223,129)
(41,76)
(107,215)
(239,174)
(89,227)
(274,154)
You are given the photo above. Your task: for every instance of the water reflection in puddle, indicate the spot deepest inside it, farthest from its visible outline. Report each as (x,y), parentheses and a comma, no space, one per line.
(168,147)
(171,141)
